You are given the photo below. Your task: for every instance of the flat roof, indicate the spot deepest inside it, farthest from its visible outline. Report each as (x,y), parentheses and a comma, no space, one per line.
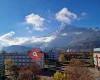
(96,49)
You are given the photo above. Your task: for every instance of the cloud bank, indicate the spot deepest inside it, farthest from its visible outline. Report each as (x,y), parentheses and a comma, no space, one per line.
(8,39)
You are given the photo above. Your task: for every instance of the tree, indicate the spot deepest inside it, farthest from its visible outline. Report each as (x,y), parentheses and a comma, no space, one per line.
(78,73)
(76,62)
(29,73)
(58,76)
(8,62)
(61,57)
(14,69)
(25,74)
(35,68)
(91,61)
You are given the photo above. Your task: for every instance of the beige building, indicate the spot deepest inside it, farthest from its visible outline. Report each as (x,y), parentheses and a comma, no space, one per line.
(96,56)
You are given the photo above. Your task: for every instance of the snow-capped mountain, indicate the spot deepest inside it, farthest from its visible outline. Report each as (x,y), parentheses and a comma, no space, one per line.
(77,37)
(70,37)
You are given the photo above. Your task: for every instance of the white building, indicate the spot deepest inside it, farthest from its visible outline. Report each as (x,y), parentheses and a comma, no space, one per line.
(96,56)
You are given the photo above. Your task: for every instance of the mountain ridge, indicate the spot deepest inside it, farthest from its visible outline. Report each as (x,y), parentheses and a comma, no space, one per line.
(76,38)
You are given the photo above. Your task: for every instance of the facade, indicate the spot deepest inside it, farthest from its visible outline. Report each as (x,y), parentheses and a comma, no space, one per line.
(96,56)
(53,55)
(19,59)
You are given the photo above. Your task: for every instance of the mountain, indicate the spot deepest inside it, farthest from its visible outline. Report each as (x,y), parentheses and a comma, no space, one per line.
(16,49)
(77,38)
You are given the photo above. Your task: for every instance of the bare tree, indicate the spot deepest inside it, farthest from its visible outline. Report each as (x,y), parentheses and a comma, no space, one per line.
(29,72)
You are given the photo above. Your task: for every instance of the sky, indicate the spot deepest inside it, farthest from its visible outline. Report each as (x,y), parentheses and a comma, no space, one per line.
(34,21)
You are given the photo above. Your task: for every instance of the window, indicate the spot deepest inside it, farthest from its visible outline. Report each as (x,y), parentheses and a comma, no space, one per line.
(18,56)
(20,60)
(27,60)
(23,60)
(23,56)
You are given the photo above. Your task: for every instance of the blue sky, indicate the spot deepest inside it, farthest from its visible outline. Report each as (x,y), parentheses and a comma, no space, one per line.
(27,18)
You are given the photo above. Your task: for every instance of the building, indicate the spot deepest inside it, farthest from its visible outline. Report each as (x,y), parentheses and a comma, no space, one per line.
(53,54)
(19,59)
(96,56)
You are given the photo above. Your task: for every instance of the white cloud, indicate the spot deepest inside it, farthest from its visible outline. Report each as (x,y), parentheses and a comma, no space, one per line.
(66,16)
(64,34)
(36,21)
(29,30)
(43,39)
(77,33)
(8,39)
(8,35)
(83,14)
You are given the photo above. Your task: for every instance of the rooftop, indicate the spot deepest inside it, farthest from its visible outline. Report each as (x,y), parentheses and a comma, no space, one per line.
(96,49)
